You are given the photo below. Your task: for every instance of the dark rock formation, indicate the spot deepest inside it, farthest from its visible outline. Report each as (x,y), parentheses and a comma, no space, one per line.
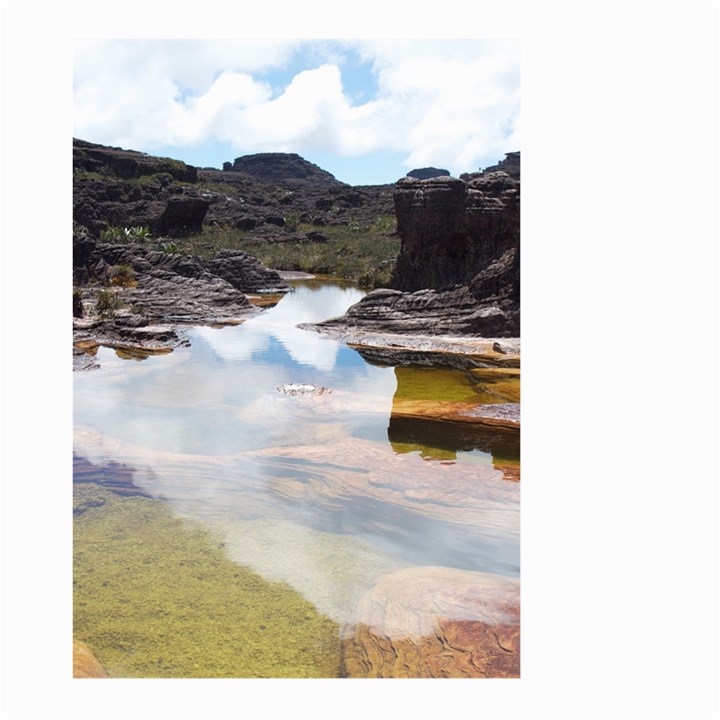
(269,196)
(452,229)
(281,168)
(167,289)
(127,164)
(427,173)
(458,272)
(510,165)
(246,273)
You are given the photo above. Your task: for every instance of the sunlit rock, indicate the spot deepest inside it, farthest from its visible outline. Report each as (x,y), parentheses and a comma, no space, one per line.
(429,622)
(85,664)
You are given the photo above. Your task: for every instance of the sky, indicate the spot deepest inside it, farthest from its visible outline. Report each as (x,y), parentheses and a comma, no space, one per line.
(366,111)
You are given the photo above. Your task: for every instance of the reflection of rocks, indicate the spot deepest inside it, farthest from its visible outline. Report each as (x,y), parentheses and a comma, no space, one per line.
(428,622)
(112,475)
(339,474)
(85,664)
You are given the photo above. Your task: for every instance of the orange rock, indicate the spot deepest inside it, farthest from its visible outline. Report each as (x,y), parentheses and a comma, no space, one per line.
(429,622)
(85,664)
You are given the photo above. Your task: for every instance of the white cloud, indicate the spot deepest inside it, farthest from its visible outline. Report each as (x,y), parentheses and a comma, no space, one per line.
(439,103)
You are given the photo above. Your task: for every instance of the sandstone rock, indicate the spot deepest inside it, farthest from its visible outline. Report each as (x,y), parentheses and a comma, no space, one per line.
(181,216)
(91,157)
(85,664)
(246,273)
(429,622)
(281,168)
(458,272)
(427,173)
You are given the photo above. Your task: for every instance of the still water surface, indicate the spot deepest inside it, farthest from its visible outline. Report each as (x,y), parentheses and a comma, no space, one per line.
(320,490)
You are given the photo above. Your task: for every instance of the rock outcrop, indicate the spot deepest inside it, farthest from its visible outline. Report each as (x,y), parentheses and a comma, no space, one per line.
(127,164)
(161,291)
(427,173)
(281,169)
(458,272)
(431,622)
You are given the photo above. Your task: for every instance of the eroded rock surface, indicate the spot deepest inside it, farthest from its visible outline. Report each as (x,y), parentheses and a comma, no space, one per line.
(431,622)
(166,290)
(458,272)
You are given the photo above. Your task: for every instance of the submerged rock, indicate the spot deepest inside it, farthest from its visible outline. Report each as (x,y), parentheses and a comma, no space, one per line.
(428,622)
(85,664)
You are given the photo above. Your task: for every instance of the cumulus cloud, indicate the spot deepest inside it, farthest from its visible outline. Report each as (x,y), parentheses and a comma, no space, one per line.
(447,103)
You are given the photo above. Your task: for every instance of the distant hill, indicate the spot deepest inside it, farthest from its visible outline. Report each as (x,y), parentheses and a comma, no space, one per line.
(427,173)
(282,168)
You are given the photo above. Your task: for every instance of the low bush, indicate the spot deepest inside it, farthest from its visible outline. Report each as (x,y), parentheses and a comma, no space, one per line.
(107,302)
(78,309)
(122,275)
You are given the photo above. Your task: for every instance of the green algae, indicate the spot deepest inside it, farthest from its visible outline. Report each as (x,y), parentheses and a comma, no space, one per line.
(156,596)
(479,385)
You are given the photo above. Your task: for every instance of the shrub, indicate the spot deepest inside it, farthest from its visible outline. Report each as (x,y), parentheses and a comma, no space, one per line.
(122,275)
(114,234)
(292,220)
(78,309)
(107,303)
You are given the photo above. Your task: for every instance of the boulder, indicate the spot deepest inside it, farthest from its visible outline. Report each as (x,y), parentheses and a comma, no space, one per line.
(431,622)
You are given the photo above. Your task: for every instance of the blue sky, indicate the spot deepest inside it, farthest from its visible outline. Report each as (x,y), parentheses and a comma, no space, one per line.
(366,111)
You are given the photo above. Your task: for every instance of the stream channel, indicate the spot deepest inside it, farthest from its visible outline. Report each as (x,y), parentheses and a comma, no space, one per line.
(236,498)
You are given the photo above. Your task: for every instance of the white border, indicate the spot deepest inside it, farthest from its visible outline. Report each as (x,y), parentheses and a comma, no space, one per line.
(620,260)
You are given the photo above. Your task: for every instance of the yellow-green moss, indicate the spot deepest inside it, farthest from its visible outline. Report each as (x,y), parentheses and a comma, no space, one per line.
(156,596)
(447,385)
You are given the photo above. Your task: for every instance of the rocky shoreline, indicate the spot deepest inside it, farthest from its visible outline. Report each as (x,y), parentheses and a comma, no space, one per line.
(456,279)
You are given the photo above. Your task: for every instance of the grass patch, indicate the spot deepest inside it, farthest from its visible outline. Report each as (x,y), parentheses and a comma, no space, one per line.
(363,253)
(156,596)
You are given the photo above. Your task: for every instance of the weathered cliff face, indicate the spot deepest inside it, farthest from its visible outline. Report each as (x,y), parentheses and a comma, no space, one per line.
(458,272)
(453,229)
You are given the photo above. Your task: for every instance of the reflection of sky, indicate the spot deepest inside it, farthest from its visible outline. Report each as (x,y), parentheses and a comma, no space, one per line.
(197,399)
(185,420)
(305,305)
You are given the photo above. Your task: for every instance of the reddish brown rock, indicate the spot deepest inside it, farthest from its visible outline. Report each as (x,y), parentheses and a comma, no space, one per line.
(85,664)
(432,622)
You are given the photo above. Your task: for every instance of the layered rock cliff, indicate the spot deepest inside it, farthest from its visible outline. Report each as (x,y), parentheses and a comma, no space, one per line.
(458,272)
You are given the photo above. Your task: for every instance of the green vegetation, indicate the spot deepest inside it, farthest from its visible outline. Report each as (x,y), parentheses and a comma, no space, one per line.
(107,302)
(122,275)
(363,253)
(156,596)
(78,309)
(113,234)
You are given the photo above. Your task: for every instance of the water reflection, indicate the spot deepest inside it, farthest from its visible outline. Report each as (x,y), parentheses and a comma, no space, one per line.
(327,492)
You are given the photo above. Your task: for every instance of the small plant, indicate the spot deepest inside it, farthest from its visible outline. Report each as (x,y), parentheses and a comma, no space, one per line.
(122,275)
(384,224)
(78,309)
(114,234)
(292,220)
(169,246)
(107,302)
